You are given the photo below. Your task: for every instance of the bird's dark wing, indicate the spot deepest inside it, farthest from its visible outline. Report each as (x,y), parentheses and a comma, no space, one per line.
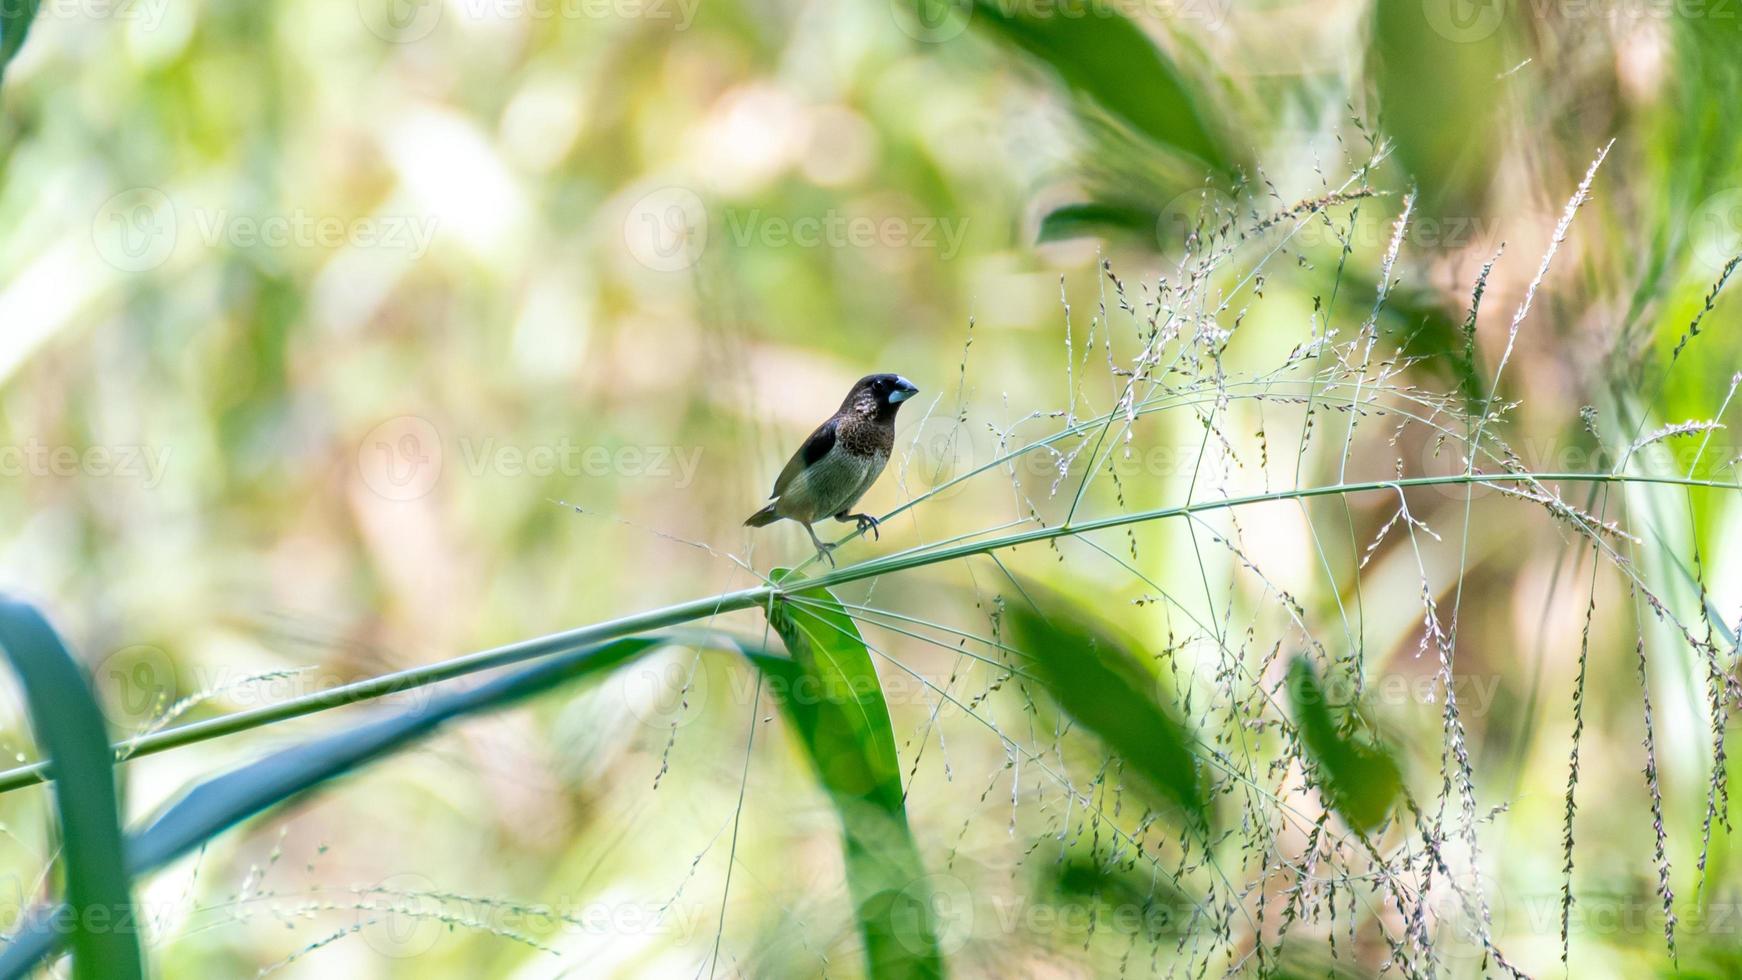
(814,448)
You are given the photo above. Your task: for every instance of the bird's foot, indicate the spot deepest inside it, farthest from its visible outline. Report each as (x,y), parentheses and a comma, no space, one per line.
(826,552)
(865,523)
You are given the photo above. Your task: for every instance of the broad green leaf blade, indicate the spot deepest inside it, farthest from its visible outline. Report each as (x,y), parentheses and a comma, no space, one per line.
(100,923)
(1108,60)
(225,801)
(832,695)
(218,804)
(1099,218)
(1098,682)
(1436,68)
(1360,780)
(15,18)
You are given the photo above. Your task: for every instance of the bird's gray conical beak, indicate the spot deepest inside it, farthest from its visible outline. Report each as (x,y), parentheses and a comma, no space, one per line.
(904,389)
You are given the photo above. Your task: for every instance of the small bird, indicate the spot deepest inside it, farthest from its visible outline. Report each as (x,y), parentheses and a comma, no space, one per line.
(840,460)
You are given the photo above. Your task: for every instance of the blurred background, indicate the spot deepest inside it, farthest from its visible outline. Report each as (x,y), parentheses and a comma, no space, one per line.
(338,337)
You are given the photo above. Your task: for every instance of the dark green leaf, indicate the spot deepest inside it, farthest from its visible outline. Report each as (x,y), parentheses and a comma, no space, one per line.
(225,801)
(1360,779)
(1108,60)
(98,920)
(832,695)
(1092,218)
(1436,68)
(218,804)
(1098,682)
(15,18)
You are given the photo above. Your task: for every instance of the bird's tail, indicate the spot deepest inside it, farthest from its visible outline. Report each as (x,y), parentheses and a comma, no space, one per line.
(762,518)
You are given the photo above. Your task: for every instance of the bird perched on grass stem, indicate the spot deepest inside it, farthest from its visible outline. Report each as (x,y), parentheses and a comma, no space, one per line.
(840,460)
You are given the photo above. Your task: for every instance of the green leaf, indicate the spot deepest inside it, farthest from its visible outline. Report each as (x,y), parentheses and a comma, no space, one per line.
(225,801)
(218,804)
(1098,682)
(1436,67)
(98,919)
(1361,780)
(830,691)
(1096,218)
(15,18)
(1108,60)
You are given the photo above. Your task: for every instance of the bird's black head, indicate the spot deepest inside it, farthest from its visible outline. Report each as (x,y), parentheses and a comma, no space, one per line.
(879,395)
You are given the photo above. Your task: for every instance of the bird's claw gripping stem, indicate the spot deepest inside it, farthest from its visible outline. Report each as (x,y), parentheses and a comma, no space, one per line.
(865,523)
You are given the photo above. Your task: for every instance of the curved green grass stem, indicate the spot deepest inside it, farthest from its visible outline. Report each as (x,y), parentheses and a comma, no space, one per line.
(415,678)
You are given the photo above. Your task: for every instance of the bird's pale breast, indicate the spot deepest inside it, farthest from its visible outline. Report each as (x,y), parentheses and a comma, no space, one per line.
(830,485)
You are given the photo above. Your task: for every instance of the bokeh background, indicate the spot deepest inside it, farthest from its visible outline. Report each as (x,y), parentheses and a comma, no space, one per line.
(343,336)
